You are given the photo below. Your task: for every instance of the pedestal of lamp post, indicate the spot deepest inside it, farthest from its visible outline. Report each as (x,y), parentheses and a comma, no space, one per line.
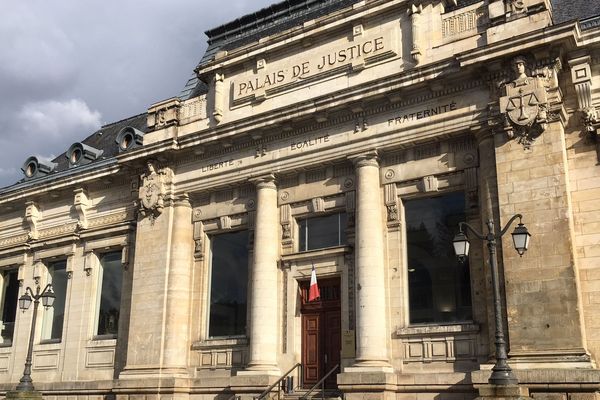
(24,395)
(503,392)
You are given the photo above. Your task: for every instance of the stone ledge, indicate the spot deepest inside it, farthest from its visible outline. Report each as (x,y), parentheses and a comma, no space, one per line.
(548,377)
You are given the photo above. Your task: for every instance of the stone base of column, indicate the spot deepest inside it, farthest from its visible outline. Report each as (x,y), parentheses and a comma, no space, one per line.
(24,395)
(262,371)
(569,358)
(509,392)
(161,388)
(248,385)
(150,372)
(370,366)
(374,385)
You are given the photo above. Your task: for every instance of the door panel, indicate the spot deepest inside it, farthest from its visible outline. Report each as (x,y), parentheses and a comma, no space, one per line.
(321,333)
(333,340)
(311,348)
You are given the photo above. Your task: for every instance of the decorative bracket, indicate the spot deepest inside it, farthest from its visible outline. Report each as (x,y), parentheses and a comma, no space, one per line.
(199,240)
(218,100)
(81,205)
(581,74)
(32,216)
(415,15)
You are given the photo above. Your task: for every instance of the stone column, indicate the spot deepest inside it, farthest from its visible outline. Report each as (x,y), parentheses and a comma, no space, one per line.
(263,292)
(177,341)
(158,333)
(372,335)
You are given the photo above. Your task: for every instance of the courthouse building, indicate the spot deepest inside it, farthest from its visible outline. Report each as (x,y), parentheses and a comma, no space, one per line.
(347,136)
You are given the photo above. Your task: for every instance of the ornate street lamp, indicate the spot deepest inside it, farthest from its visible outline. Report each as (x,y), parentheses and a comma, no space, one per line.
(48,297)
(501,373)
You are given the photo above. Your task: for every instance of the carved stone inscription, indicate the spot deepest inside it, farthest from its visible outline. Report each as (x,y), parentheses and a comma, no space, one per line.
(316,62)
(422,113)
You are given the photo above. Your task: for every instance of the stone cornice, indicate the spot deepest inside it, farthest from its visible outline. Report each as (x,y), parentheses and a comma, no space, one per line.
(296,35)
(70,178)
(526,42)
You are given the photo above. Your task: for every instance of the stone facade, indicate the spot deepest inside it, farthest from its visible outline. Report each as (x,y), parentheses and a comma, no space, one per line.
(350,109)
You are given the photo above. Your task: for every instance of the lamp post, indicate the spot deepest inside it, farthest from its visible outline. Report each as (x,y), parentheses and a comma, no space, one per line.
(48,297)
(502,374)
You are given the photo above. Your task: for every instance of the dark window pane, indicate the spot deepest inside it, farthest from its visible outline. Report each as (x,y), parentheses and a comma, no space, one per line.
(228,284)
(322,232)
(58,278)
(439,286)
(9,305)
(110,296)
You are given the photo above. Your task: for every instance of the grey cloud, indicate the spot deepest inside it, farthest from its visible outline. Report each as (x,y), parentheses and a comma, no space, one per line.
(70,65)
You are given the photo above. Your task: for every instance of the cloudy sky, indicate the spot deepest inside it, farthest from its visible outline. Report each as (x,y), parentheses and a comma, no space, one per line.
(69,66)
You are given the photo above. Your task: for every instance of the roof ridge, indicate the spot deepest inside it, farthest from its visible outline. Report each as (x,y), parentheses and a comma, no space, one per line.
(122,120)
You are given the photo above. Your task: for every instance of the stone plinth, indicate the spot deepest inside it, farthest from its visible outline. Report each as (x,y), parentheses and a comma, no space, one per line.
(378,385)
(24,395)
(500,392)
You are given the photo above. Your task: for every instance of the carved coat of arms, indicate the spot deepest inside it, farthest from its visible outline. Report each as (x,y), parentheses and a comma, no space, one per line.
(524,105)
(152,191)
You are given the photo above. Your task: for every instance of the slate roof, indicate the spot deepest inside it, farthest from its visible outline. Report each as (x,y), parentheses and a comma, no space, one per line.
(570,10)
(103,139)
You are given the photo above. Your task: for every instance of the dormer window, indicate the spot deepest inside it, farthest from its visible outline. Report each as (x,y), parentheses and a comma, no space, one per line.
(35,167)
(129,138)
(81,154)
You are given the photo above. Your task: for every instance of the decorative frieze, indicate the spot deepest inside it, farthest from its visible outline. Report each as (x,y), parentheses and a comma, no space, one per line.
(193,110)
(468,21)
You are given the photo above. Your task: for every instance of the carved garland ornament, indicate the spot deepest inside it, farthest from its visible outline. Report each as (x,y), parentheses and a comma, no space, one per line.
(524,105)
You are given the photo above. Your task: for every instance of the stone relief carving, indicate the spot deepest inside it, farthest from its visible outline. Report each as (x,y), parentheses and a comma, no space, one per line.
(392,212)
(152,191)
(517,6)
(524,105)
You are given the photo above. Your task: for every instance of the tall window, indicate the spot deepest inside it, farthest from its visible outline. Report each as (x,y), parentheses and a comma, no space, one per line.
(110,281)
(322,232)
(228,284)
(52,326)
(10,293)
(439,285)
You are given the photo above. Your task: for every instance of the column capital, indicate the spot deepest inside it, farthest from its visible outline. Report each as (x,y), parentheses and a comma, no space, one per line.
(368,158)
(182,200)
(265,182)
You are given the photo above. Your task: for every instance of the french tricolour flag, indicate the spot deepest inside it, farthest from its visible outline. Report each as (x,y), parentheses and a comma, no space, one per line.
(313,291)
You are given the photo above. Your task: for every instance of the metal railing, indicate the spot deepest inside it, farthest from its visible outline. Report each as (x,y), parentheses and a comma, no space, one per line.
(278,382)
(320,383)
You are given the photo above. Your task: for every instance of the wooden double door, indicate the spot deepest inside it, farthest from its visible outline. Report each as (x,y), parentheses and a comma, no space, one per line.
(321,333)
